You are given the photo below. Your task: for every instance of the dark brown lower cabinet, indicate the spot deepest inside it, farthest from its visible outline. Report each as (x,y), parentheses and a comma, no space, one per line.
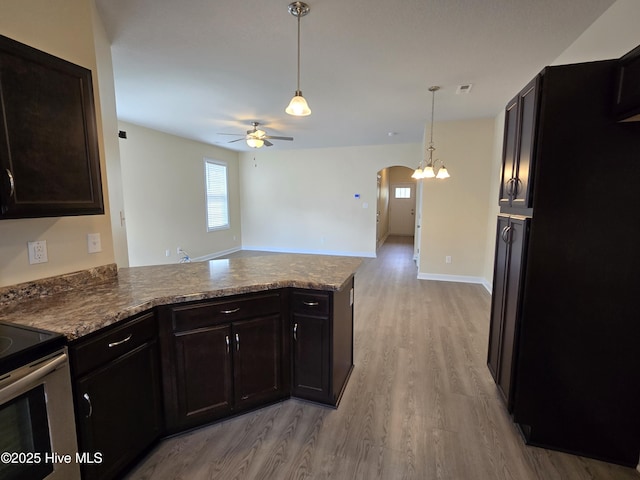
(311,357)
(322,334)
(257,360)
(117,396)
(222,357)
(203,373)
(511,245)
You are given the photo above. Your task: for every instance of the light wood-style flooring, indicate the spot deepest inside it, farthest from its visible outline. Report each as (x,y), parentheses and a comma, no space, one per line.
(420,403)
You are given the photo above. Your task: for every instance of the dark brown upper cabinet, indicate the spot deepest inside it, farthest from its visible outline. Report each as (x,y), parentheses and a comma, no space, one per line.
(518,153)
(49,162)
(627,96)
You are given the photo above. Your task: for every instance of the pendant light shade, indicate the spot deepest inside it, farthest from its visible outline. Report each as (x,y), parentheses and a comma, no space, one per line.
(298,106)
(429,170)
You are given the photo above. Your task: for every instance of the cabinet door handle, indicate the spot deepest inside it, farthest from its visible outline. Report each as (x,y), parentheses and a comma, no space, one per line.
(510,185)
(12,183)
(506,237)
(311,304)
(237,342)
(517,184)
(88,399)
(227,312)
(124,340)
(295,332)
(226,339)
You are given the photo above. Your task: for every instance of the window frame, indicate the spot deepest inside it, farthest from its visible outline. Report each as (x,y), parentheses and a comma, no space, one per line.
(402,188)
(217,163)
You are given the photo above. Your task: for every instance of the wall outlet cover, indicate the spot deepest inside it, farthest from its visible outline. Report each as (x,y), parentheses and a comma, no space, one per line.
(38,252)
(94,244)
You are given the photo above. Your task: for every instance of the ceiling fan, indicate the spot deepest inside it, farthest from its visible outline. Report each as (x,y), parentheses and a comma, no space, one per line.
(256,137)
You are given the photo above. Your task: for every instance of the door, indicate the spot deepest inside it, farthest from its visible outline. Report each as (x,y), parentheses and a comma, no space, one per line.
(402,205)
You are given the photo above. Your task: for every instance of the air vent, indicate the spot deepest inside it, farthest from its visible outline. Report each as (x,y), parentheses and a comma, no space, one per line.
(464,89)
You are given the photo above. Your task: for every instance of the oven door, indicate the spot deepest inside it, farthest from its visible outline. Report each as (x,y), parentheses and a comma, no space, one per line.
(37,422)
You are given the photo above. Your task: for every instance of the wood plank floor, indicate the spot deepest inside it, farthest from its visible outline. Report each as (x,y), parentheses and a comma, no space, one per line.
(420,403)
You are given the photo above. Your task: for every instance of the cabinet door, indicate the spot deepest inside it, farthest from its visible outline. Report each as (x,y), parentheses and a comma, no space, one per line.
(627,98)
(498,295)
(49,164)
(528,99)
(509,152)
(203,374)
(516,238)
(311,367)
(119,410)
(518,147)
(257,360)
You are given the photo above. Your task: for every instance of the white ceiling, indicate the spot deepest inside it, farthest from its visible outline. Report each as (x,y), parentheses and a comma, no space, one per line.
(196,68)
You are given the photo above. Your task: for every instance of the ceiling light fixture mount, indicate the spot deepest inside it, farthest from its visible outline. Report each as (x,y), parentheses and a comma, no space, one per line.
(428,170)
(298,106)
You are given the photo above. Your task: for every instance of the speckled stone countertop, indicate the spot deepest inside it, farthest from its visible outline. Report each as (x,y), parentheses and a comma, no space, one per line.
(101,300)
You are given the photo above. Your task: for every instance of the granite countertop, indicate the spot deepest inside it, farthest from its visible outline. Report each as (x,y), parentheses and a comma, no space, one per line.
(101,300)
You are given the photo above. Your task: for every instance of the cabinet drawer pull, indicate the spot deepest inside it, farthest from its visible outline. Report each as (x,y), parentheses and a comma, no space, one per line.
(88,399)
(227,312)
(237,342)
(311,304)
(124,340)
(226,339)
(12,183)
(295,332)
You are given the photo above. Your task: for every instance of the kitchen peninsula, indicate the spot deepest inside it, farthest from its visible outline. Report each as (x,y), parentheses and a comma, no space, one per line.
(165,348)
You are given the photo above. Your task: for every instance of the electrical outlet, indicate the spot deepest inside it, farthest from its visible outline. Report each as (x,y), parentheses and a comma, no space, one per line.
(38,252)
(447,259)
(94,245)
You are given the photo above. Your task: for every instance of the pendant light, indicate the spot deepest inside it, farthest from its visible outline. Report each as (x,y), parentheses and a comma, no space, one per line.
(298,106)
(429,169)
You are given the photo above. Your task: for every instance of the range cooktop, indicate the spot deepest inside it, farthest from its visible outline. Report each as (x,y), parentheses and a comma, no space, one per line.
(20,345)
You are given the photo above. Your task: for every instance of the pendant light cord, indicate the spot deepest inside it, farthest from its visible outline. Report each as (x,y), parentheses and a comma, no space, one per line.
(298,87)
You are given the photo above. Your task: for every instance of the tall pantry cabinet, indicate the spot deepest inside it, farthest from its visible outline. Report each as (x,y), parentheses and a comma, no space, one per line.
(564,344)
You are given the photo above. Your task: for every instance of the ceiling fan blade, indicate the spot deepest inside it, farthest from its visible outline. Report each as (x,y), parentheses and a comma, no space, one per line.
(236,134)
(268,143)
(236,140)
(278,138)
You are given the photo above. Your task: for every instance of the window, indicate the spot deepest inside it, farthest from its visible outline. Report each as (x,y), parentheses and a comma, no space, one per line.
(217,195)
(403,192)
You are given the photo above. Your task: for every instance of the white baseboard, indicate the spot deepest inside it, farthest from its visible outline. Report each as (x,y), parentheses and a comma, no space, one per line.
(310,252)
(211,256)
(452,278)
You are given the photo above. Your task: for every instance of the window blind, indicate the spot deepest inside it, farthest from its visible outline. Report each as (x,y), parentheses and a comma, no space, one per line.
(217,195)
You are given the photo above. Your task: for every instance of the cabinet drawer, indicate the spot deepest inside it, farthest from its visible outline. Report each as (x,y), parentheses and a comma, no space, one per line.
(310,302)
(191,317)
(86,355)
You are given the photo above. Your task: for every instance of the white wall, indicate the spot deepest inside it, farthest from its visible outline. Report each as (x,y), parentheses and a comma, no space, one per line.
(64,28)
(164,197)
(304,200)
(455,210)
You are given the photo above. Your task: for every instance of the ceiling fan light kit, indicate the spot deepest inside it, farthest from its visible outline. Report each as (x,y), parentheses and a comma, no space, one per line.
(429,169)
(298,106)
(256,137)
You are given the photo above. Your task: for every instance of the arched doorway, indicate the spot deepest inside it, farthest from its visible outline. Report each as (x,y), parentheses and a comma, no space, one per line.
(397,207)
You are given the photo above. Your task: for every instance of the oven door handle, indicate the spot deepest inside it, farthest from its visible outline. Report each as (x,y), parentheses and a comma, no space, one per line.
(31,380)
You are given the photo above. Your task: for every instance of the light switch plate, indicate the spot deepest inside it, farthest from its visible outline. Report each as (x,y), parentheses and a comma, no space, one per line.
(38,252)
(94,245)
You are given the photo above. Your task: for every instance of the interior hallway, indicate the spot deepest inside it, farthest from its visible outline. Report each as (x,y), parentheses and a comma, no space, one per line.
(420,403)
